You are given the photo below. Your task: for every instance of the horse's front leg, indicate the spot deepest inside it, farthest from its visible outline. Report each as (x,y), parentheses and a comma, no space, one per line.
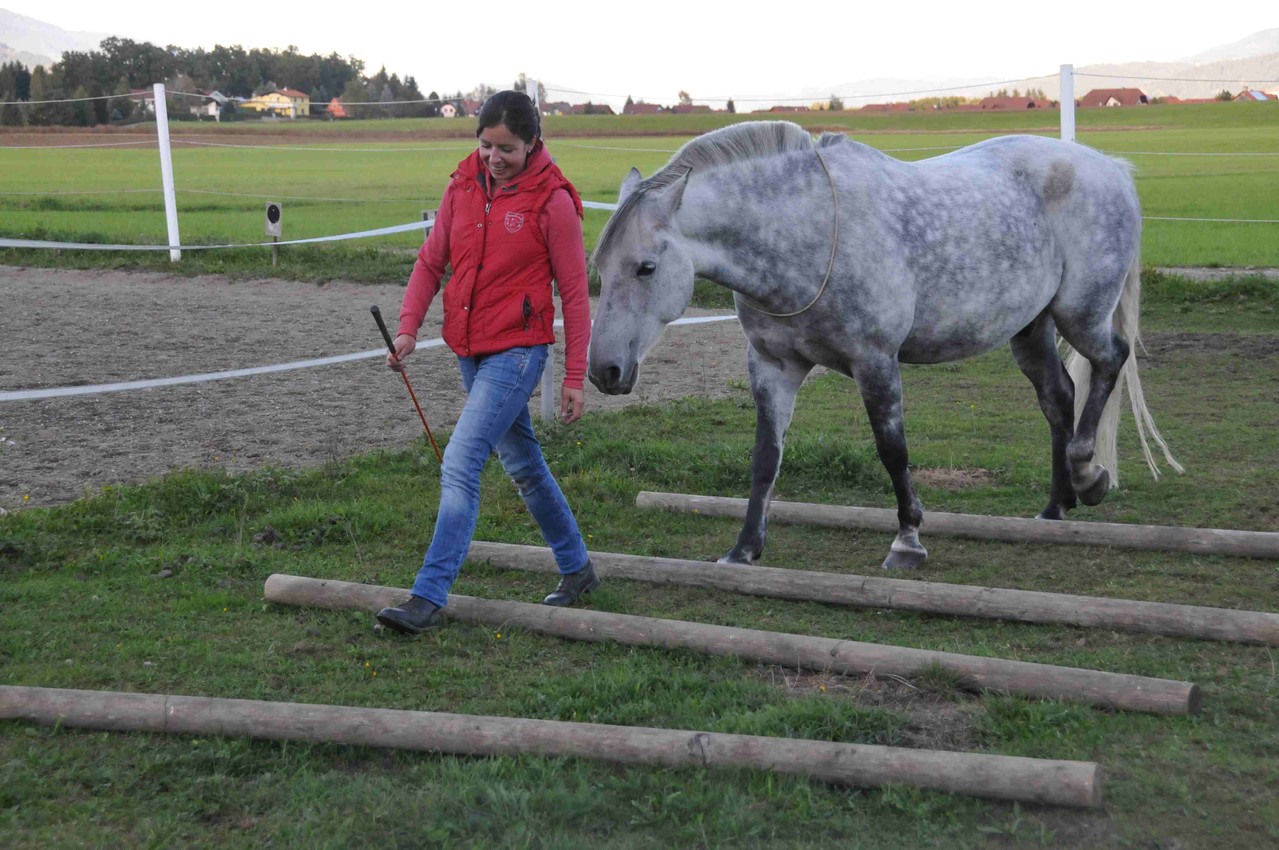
(879,380)
(774,383)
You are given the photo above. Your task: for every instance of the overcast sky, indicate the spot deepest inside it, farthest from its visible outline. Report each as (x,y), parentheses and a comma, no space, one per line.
(654,48)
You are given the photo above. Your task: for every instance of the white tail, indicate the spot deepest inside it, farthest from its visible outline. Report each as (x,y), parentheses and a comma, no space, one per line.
(1106,452)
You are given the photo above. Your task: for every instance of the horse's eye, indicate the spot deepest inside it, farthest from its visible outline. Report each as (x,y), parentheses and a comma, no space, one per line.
(646,268)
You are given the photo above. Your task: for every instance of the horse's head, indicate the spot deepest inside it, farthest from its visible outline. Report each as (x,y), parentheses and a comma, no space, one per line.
(646,280)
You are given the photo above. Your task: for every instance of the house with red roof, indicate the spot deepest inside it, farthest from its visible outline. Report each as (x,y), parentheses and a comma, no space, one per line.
(1113,97)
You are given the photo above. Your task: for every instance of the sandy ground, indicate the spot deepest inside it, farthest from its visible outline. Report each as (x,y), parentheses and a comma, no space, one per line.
(60,328)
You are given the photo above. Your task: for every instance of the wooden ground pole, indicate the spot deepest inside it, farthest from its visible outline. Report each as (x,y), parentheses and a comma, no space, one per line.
(1160,538)
(1063,783)
(1094,687)
(1028,606)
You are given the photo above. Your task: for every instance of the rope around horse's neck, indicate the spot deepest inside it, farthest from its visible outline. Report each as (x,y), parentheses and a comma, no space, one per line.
(834,247)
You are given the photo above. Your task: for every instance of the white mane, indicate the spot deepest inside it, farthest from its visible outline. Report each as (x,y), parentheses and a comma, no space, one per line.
(737,142)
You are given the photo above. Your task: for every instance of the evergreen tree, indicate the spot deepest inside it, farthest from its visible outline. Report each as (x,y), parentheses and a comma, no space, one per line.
(82,114)
(39,91)
(730,106)
(121,108)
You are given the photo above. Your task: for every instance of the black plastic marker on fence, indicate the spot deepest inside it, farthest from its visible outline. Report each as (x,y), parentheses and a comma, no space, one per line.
(390,344)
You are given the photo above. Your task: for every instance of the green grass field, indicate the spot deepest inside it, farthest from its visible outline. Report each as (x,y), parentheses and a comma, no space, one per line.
(84,606)
(83,603)
(338,178)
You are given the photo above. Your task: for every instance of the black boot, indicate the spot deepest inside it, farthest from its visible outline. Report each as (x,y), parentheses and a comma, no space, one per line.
(572,586)
(412,617)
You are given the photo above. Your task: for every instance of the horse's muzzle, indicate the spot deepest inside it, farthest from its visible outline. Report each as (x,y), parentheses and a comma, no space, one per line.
(610,379)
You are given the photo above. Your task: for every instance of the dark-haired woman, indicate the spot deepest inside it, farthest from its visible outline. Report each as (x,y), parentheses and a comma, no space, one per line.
(509,224)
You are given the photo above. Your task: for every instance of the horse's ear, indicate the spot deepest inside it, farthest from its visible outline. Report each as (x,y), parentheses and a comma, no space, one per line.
(628,184)
(672,196)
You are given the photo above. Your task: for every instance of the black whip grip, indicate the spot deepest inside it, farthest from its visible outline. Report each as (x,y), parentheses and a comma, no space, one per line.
(381,325)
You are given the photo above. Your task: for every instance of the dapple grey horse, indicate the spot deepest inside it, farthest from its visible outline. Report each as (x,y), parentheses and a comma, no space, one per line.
(844,257)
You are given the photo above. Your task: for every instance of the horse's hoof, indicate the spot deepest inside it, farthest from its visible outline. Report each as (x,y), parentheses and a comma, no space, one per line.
(736,557)
(905,559)
(1052,512)
(1097,490)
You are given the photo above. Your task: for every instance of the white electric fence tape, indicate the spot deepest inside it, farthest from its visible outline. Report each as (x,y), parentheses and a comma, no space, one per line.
(94,389)
(93,246)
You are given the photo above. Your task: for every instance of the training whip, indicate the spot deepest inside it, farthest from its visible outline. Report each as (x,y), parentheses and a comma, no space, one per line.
(390,344)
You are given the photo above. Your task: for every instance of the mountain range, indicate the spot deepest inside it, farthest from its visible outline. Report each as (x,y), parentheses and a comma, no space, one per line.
(33,42)
(1251,62)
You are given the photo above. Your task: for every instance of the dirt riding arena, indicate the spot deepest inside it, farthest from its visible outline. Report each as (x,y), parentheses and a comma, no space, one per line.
(60,328)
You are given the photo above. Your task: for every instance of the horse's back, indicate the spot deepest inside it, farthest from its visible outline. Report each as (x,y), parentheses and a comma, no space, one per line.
(986,237)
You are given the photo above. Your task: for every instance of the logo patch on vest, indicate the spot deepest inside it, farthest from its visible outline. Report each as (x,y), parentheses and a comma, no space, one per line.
(514,221)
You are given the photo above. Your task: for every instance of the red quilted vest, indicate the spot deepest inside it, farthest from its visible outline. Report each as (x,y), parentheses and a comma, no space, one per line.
(499,296)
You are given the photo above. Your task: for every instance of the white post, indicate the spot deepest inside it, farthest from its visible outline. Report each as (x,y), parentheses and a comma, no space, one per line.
(166,172)
(1067,103)
(549,396)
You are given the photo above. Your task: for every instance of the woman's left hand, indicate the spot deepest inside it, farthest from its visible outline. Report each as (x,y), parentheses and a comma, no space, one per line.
(572,403)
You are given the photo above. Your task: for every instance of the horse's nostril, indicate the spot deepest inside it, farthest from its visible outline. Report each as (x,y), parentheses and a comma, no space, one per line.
(608,379)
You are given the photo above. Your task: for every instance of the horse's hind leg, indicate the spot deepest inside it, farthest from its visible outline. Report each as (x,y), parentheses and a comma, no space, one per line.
(879,380)
(1035,350)
(774,383)
(1106,352)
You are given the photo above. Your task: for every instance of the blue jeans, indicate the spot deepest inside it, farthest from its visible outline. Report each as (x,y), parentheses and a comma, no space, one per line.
(496,417)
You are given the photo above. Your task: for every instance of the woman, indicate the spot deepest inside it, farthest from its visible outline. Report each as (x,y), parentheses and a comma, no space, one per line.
(509,223)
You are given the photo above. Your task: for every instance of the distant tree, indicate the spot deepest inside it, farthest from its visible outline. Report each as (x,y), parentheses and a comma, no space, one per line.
(11,114)
(836,104)
(16,80)
(685,98)
(121,107)
(933,103)
(481,92)
(82,114)
(15,85)
(179,106)
(355,92)
(36,113)
(433,104)
(60,111)
(385,98)
(730,106)
(1224,95)
(629,103)
(521,84)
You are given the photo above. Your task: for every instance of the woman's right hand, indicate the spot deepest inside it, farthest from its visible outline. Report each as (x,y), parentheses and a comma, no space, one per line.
(404,346)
